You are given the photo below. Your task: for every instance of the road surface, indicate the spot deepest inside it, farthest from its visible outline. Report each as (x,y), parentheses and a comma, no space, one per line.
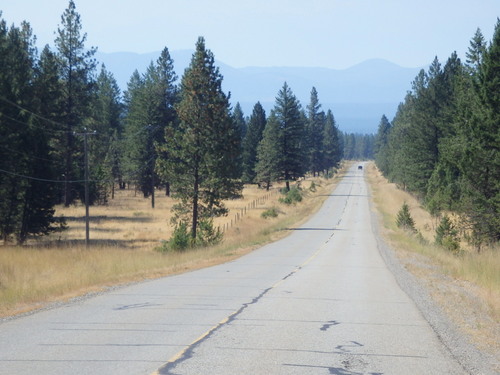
(320,301)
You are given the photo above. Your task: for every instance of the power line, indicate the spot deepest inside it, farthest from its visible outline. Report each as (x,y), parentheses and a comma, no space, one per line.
(48,180)
(32,125)
(31,112)
(31,157)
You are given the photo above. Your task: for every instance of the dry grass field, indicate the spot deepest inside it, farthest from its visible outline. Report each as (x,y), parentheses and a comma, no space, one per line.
(123,238)
(467,287)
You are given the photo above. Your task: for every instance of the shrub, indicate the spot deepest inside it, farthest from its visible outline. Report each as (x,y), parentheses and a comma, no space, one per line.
(181,238)
(272,212)
(404,219)
(292,196)
(312,187)
(206,234)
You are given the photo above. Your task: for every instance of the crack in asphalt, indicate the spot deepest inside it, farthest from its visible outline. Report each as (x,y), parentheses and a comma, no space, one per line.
(187,353)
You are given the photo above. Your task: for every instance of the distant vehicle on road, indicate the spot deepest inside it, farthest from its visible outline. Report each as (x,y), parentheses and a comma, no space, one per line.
(360,167)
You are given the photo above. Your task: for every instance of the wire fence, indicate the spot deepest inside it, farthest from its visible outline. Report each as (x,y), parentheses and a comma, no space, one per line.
(234,218)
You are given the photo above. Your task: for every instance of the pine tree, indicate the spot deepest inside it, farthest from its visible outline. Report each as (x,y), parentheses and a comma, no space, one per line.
(288,114)
(198,156)
(150,101)
(476,51)
(479,163)
(382,147)
(315,131)
(332,153)
(161,95)
(240,126)
(269,154)
(77,70)
(256,125)
(107,111)
(135,159)
(28,198)
(239,120)
(404,219)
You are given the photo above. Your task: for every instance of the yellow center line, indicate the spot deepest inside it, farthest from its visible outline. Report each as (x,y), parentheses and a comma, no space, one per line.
(181,353)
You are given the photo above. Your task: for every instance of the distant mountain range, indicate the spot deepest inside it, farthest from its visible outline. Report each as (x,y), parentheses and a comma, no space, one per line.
(358,96)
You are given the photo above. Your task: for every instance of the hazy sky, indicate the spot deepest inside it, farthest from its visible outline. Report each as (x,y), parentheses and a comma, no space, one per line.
(326,33)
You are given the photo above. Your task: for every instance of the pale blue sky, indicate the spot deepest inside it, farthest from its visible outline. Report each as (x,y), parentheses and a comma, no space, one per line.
(327,33)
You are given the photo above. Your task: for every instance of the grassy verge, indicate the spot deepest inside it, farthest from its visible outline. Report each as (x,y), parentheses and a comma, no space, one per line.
(467,286)
(124,235)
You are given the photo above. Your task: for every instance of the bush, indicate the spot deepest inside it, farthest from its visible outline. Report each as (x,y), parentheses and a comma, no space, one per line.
(312,187)
(292,196)
(404,219)
(206,234)
(272,212)
(181,239)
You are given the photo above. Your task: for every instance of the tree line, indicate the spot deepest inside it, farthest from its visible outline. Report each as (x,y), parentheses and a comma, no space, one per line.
(179,135)
(443,143)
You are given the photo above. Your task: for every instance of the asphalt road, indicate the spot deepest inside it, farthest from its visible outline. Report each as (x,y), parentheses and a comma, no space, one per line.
(320,301)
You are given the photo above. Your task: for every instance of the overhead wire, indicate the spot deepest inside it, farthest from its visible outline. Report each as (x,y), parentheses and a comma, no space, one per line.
(29,111)
(141,130)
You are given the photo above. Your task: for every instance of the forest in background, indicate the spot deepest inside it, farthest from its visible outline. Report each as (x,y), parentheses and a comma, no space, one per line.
(443,143)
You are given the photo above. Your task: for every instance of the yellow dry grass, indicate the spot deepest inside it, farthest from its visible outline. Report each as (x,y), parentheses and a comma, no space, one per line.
(123,238)
(467,286)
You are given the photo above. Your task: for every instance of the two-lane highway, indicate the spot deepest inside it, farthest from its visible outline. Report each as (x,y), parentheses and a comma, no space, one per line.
(320,301)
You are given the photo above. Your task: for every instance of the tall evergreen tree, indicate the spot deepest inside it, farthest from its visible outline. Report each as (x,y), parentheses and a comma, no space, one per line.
(77,70)
(480,165)
(315,131)
(239,120)
(288,114)
(135,130)
(150,101)
(240,126)
(476,51)
(332,151)
(27,200)
(382,146)
(270,158)
(199,154)
(107,111)
(253,136)
(162,96)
